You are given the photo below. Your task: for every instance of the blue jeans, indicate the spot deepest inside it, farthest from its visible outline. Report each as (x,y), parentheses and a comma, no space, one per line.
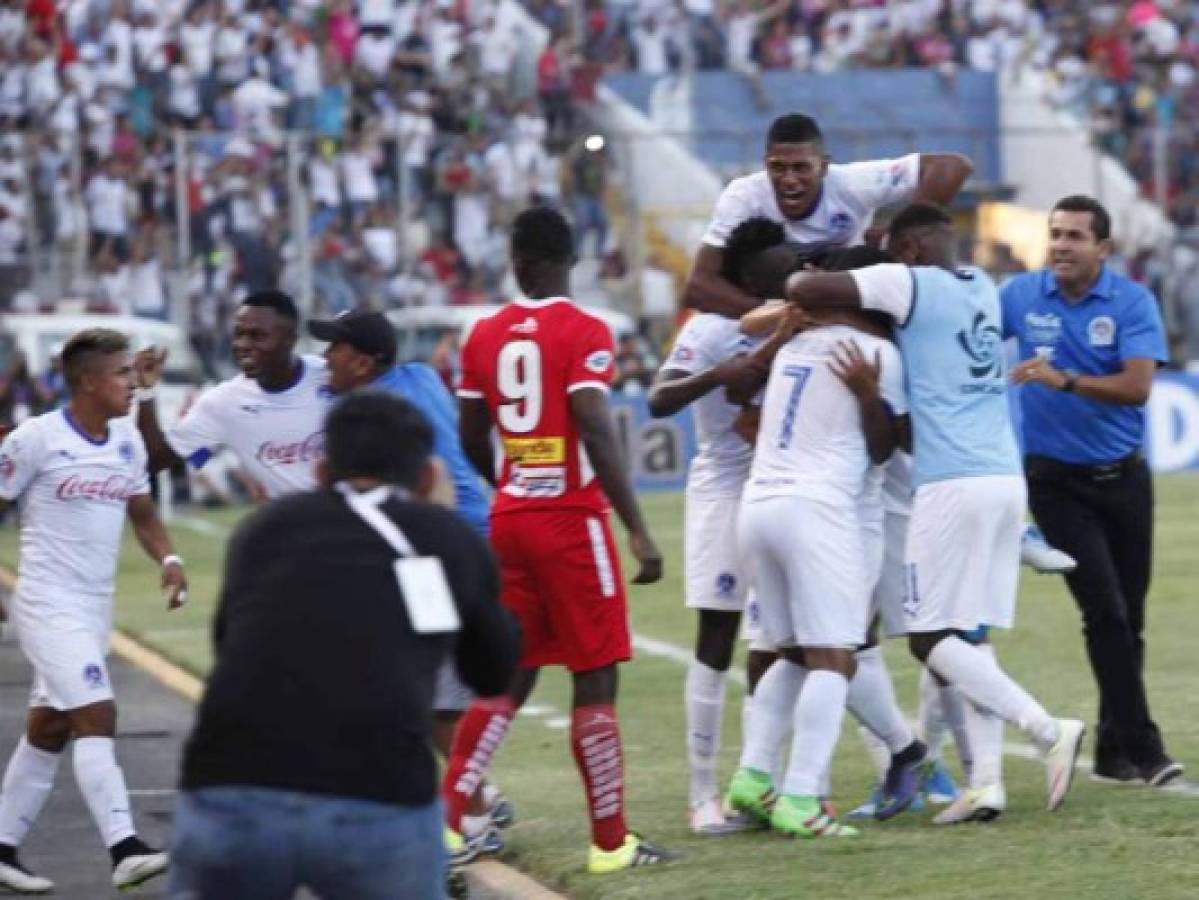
(244,843)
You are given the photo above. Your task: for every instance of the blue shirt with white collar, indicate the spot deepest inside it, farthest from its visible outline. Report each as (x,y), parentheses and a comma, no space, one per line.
(420,385)
(1116,321)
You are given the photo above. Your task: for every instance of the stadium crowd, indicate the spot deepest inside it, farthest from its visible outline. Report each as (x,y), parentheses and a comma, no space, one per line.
(409,123)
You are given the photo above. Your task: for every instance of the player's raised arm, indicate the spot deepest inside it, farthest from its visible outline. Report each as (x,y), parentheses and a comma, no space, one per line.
(675,388)
(153,537)
(861,377)
(708,290)
(941,177)
(148,365)
(593,417)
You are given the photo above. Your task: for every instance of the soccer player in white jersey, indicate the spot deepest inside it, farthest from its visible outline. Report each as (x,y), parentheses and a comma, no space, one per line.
(74,474)
(708,353)
(962,557)
(271,415)
(819,203)
(828,416)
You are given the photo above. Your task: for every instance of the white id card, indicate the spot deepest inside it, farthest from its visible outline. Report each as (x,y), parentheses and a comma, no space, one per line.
(431,608)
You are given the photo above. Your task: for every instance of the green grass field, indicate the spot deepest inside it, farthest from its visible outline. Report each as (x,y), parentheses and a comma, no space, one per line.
(1108,842)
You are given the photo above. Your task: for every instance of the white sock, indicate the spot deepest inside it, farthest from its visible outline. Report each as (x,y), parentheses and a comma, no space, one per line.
(818,715)
(28,781)
(703,700)
(930,719)
(953,711)
(984,736)
(103,787)
(747,714)
(872,701)
(774,707)
(977,675)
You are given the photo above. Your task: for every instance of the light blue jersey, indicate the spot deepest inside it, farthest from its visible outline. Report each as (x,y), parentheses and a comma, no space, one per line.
(951,340)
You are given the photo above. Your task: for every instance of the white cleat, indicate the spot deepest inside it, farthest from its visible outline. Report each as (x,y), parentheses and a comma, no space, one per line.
(19,881)
(708,818)
(974,805)
(1061,758)
(1036,553)
(138,868)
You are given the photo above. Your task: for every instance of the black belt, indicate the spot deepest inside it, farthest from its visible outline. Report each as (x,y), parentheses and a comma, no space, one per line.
(1100,472)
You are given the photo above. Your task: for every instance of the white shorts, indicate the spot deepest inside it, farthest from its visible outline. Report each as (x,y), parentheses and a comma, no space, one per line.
(963,554)
(886,601)
(714,575)
(68,658)
(806,556)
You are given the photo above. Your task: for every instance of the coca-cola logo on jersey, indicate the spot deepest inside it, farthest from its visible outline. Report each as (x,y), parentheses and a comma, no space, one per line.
(271,453)
(113,488)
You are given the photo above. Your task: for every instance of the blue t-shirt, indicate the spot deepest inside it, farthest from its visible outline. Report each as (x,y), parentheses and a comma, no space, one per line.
(419,385)
(949,335)
(1117,321)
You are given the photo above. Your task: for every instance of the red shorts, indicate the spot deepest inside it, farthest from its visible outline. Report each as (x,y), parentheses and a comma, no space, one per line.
(560,576)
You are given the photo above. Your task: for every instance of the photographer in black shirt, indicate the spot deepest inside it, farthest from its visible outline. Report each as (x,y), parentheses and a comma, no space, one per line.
(311,763)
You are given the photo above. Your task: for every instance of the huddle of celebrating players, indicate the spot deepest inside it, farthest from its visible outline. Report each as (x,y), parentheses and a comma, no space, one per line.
(857,469)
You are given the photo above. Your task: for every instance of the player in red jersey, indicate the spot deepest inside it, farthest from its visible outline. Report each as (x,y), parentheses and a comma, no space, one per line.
(538,371)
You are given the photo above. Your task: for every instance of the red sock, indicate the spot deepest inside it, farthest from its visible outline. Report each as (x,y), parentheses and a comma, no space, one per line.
(595,740)
(478,735)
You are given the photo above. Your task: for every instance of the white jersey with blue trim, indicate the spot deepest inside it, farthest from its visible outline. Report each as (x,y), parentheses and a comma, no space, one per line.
(951,339)
(72,492)
(721,463)
(810,441)
(277,436)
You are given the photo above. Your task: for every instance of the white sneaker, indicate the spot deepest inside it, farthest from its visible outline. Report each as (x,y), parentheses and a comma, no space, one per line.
(16,879)
(974,805)
(709,819)
(138,868)
(1060,760)
(1036,553)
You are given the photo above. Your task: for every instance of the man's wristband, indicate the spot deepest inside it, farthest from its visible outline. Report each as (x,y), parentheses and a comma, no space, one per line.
(1071,383)
(172,560)
(145,394)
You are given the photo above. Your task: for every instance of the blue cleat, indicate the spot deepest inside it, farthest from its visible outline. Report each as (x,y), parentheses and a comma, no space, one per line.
(938,786)
(870,807)
(904,781)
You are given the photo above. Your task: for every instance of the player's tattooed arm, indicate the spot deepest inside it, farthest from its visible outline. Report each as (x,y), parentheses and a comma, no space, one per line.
(707,290)
(147,366)
(753,369)
(861,376)
(153,537)
(474,429)
(593,417)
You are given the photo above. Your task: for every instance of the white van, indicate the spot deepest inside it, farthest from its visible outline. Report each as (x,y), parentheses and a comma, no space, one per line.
(419,328)
(41,338)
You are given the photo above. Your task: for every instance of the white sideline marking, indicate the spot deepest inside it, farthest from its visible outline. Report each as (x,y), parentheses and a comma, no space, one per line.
(201,526)
(152,792)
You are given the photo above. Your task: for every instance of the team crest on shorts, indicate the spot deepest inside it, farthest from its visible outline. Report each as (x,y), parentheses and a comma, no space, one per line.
(125,451)
(1101,331)
(93,675)
(726,583)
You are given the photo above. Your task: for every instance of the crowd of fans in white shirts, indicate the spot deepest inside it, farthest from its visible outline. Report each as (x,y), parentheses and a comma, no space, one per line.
(416,139)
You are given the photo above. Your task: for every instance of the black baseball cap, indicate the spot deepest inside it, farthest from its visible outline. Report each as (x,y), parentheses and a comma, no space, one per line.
(366,331)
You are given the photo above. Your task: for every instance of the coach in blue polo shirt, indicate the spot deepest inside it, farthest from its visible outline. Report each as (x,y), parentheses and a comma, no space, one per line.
(1090,341)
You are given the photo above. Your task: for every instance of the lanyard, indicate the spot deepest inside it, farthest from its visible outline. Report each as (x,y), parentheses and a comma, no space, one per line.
(366,506)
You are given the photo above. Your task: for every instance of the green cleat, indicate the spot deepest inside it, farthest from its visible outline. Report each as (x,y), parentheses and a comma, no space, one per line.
(806,817)
(752,792)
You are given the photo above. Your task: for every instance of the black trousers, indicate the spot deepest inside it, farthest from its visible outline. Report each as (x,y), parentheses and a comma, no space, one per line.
(1103,517)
